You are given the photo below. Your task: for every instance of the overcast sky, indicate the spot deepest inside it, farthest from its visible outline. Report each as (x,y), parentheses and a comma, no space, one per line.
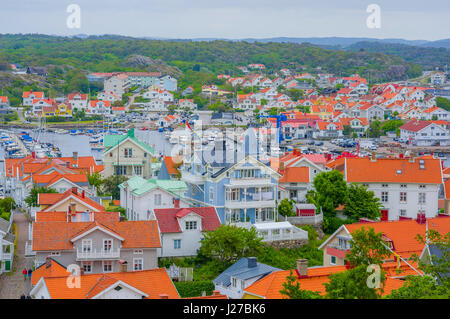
(407,19)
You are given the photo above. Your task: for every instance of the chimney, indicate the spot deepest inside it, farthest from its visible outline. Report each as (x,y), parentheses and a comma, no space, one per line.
(281,166)
(164,296)
(373,158)
(75,156)
(302,267)
(33,155)
(48,262)
(82,194)
(216,293)
(176,203)
(412,157)
(74,190)
(251,262)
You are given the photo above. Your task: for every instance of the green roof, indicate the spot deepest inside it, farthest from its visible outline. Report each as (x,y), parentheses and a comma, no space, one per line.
(110,141)
(140,186)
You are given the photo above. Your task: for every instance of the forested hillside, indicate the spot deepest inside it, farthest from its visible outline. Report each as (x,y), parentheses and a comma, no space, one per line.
(106,54)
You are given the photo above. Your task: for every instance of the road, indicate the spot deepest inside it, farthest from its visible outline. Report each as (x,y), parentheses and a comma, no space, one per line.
(12,286)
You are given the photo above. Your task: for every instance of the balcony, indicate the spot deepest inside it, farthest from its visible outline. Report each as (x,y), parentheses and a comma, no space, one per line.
(98,254)
(337,251)
(235,204)
(250,182)
(7,256)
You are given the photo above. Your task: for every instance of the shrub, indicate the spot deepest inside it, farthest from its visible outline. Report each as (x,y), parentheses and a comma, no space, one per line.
(194,288)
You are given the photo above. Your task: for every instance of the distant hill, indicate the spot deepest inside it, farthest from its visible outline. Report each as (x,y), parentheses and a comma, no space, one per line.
(428,57)
(112,53)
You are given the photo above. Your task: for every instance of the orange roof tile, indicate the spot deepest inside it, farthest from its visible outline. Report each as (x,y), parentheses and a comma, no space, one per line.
(360,170)
(53,269)
(153,282)
(295,175)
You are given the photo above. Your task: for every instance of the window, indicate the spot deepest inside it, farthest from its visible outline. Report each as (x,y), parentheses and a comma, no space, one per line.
(176,243)
(384,185)
(384,197)
(422,198)
(233,194)
(422,186)
(107,266)
(138,263)
(157,199)
(121,170)
(86,245)
(342,243)
(234,281)
(107,245)
(402,212)
(333,260)
(128,152)
(211,194)
(138,252)
(55,253)
(191,225)
(402,197)
(87,266)
(403,185)
(138,170)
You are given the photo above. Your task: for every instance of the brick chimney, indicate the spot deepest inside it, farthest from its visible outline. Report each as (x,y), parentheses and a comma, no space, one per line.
(302,267)
(216,293)
(373,158)
(75,190)
(176,203)
(82,194)
(164,296)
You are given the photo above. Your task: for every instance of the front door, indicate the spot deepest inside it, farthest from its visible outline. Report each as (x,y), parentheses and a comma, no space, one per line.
(384,215)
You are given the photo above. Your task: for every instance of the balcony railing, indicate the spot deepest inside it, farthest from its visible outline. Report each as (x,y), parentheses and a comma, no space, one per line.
(7,256)
(98,254)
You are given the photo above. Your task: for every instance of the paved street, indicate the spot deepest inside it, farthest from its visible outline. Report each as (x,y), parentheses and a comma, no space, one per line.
(13,286)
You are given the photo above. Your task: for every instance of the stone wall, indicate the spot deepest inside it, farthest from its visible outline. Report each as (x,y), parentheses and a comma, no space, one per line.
(287,243)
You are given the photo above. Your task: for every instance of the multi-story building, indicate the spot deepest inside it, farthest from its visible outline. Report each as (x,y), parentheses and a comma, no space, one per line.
(424,133)
(126,155)
(98,242)
(406,187)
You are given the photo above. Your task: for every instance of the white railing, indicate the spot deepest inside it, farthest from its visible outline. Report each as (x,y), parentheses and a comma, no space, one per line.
(98,254)
(293,233)
(303,220)
(29,249)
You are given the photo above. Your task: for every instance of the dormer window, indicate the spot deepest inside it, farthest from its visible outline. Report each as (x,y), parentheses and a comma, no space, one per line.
(191,225)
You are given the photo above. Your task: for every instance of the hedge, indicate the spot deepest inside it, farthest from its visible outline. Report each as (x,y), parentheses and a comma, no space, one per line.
(194,288)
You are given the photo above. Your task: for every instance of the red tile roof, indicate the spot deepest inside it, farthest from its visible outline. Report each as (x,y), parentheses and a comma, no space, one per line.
(168,218)
(415,125)
(295,175)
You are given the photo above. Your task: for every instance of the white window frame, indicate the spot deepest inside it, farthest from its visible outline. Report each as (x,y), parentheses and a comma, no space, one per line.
(138,251)
(86,263)
(403,197)
(86,243)
(141,263)
(158,199)
(177,246)
(189,225)
(105,263)
(107,240)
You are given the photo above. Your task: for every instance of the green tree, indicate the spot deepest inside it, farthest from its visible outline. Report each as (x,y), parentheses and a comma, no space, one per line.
(291,290)
(391,125)
(111,185)
(442,102)
(330,191)
(285,207)
(352,284)
(420,287)
(361,203)
(367,248)
(32,199)
(375,129)
(95,179)
(347,130)
(230,243)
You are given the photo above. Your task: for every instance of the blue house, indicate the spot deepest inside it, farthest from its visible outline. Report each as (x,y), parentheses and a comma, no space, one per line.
(241,187)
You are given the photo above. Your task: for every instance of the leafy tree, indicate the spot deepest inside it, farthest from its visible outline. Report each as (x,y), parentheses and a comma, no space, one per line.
(230,243)
(95,179)
(111,185)
(6,206)
(367,248)
(443,102)
(291,289)
(391,125)
(375,129)
(330,191)
(361,203)
(352,284)
(32,199)
(420,287)
(285,207)
(295,94)
(347,130)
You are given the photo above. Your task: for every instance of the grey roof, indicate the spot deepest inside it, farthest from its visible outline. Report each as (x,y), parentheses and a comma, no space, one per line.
(4,225)
(240,270)
(10,238)
(438,253)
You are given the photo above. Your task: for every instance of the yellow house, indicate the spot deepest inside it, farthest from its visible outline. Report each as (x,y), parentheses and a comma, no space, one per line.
(63,110)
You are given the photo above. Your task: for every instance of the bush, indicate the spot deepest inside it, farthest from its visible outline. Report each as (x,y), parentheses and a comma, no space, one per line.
(194,288)
(331,224)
